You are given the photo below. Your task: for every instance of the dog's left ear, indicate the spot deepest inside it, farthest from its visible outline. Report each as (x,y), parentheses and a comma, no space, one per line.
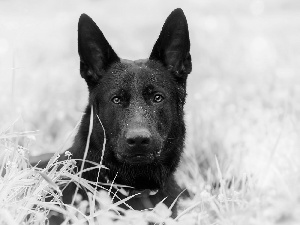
(96,54)
(172,47)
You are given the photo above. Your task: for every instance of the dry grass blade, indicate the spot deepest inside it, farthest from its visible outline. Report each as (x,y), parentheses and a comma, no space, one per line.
(86,149)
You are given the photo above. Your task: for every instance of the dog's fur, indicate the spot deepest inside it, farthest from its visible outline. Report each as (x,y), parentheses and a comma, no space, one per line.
(140,104)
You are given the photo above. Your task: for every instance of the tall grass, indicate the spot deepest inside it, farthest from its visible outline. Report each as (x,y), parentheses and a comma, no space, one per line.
(215,197)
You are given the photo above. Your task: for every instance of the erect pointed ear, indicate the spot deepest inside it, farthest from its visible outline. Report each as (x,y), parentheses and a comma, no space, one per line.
(95,52)
(172,47)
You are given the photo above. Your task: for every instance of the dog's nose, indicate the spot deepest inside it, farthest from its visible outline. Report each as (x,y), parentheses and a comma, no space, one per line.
(138,138)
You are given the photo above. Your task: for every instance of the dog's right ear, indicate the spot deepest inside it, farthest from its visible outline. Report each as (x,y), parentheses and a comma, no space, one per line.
(172,47)
(95,52)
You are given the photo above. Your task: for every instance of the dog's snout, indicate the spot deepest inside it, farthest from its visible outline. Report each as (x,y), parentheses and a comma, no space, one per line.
(138,138)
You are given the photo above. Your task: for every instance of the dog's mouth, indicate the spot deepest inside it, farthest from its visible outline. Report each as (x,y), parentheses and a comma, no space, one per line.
(138,158)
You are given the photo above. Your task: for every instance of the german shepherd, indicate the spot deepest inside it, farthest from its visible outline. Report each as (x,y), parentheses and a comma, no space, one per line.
(140,105)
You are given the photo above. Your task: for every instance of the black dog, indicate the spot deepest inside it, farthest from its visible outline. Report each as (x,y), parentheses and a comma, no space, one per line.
(140,104)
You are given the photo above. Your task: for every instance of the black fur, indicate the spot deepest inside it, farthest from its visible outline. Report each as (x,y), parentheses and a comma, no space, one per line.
(140,104)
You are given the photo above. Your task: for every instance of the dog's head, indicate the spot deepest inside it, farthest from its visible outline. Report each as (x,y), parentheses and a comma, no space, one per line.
(140,103)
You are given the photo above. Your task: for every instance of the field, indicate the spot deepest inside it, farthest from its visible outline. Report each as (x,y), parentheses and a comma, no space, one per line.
(243,104)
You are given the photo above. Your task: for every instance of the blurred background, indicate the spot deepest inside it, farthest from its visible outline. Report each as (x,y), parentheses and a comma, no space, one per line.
(243,102)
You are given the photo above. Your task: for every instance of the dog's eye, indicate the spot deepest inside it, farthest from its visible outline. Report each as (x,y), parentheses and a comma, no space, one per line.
(158,98)
(116,100)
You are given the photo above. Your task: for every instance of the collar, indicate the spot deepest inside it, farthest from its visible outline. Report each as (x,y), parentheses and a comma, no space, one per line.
(138,193)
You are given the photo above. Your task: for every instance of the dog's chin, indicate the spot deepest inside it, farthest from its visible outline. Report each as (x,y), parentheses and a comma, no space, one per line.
(142,171)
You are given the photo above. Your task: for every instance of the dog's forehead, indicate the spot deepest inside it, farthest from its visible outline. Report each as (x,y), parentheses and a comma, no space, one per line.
(128,73)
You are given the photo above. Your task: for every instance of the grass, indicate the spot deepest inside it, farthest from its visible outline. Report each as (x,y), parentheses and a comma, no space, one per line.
(247,200)
(242,110)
